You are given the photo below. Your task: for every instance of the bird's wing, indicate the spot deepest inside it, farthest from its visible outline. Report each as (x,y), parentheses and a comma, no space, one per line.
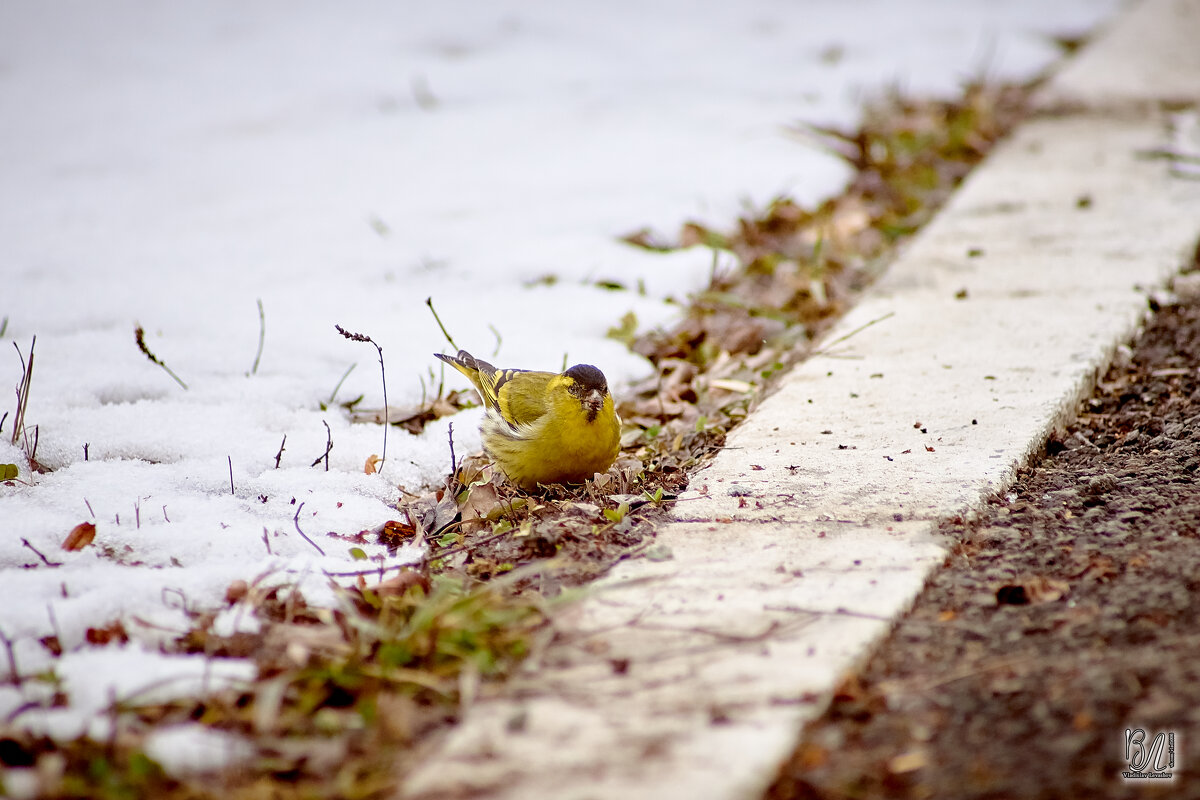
(516,394)
(521,395)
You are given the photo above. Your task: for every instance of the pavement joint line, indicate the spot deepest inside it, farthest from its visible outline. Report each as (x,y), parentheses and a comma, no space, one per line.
(690,677)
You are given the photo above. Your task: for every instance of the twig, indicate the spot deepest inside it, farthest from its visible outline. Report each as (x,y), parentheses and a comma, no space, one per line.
(137,513)
(114,724)
(230,458)
(379,570)
(970,672)
(840,611)
(168,519)
(45,560)
(737,638)
(453,462)
(279,455)
(2,420)
(3,326)
(328,447)
(358,337)
(453,551)
(267,541)
(14,674)
(304,535)
(429,302)
(445,553)
(89,506)
(854,332)
(432,535)
(85,451)
(169,591)
(262,334)
(139,336)
(53,621)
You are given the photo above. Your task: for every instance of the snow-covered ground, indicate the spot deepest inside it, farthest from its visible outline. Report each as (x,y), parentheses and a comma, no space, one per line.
(168,165)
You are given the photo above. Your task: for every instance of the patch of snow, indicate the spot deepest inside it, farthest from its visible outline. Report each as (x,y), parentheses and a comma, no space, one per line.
(191,749)
(167,165)
(93,678)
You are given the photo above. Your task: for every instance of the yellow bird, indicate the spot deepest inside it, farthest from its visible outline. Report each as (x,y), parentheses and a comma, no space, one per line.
(541,427)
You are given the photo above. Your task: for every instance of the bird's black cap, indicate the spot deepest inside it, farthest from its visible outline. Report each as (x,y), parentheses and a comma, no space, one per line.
(586,379)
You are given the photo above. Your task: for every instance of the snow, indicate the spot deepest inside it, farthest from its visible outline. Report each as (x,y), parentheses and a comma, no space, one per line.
(167,165)
(194,748)
(94,678)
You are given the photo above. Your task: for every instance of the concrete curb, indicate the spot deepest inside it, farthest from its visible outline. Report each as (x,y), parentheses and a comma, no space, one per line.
(814,528)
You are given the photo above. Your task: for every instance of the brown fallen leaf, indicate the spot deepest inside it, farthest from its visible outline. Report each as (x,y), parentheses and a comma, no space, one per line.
(372,464)
(113,632)
(400,584)
(1099,569)
(482,502)
(395,533)
(79,537)
(236,591)
(1038,589)
(414,418)
(908,762)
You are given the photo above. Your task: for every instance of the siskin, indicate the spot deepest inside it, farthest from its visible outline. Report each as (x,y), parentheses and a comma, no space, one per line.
(541,427)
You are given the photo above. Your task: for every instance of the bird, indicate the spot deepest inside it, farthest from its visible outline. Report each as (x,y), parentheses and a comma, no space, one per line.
(542,427)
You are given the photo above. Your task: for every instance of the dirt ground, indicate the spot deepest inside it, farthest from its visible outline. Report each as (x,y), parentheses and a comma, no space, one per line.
(1067,614)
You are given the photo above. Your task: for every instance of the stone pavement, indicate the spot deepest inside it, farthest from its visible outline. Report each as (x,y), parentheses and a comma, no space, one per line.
(814,528)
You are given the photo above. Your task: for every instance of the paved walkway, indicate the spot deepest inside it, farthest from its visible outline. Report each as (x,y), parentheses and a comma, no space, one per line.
(813,529)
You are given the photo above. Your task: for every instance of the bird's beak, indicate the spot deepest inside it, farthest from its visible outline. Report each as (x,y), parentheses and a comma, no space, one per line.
(593,403)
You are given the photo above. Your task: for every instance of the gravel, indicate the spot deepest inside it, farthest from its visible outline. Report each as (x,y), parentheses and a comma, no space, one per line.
(1067,614)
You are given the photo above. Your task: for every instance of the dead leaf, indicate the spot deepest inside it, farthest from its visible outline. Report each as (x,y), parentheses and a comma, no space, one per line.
(850,217)
(371,465)
(1038,589)
(482,502)
(811,756)
(236,591)
(730,385)
(395,533)
(908,762)
(415,417)
(1099,569)
(113,632)
(429,514)
(400,584)
(80,536)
